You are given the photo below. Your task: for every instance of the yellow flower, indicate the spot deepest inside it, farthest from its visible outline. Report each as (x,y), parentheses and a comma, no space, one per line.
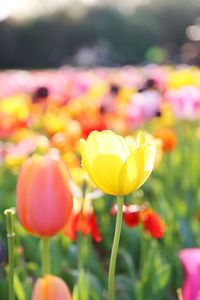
(54,123)
(16,106)
(13,162)
(114,166)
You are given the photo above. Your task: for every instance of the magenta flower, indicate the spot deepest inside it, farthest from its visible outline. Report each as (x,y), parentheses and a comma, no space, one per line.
(190,259)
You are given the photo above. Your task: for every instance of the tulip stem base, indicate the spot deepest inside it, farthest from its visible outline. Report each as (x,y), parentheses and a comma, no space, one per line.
(45,256)
(9,213)
(115,246)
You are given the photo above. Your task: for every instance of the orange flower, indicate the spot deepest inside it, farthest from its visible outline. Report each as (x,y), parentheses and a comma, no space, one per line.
(51,288)
(44,199)
(168,137)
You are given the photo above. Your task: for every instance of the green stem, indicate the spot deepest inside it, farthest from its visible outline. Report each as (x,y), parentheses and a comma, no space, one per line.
(115,246)
(9,213)
(45,256)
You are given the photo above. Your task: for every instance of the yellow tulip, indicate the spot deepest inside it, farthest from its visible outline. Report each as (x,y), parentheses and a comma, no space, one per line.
(114,166)
(12,161)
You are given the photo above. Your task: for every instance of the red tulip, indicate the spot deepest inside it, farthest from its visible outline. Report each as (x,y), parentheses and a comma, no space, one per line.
(51,288)
(134,215)
(152,223)
(44,199)
(92,122)
(85,223)
(131,215)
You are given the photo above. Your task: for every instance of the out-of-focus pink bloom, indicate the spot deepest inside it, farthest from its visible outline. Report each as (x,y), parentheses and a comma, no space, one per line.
(143,106)
(135,116)
(185,102)
(190,259)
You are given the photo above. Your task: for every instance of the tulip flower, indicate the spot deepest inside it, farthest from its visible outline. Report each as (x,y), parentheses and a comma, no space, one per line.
(117,169)
(190,259)
(152,223)
(44,199)
(132,215)
(51,288)
(83,219)
(91,123)
(113,166)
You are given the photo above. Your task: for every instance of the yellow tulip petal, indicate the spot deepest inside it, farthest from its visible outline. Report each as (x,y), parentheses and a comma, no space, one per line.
(141,138)
(87,165)
(106,142)
(90,147)
(111,143)
(144,138)
(131,142)
(137,168)
(106,170)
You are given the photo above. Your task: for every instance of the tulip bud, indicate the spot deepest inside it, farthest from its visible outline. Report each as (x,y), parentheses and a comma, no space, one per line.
(44,199)
(51,288)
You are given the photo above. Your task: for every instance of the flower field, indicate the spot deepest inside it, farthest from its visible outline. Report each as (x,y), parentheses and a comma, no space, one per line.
(79,148)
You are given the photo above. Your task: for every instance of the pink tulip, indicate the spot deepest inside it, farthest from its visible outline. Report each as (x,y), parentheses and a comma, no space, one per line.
(190,259)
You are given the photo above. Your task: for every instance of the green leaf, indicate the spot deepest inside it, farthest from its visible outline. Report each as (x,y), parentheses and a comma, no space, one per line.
(161,278)
(19,288)
(95,288)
